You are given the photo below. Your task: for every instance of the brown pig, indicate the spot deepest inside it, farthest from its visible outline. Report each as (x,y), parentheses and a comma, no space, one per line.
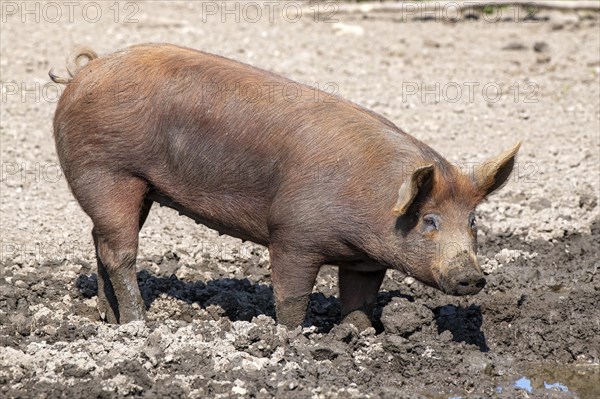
(315,178)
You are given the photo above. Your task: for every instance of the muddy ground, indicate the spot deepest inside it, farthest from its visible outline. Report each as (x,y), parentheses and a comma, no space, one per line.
(533,332)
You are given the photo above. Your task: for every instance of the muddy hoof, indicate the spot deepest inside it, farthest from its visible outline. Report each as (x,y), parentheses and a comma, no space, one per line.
(291,311)
(359,319)
(107,314)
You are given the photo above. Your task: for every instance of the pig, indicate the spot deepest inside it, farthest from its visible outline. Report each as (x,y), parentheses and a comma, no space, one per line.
(315,178)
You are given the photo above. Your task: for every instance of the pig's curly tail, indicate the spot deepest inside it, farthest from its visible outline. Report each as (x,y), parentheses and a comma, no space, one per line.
(74,63)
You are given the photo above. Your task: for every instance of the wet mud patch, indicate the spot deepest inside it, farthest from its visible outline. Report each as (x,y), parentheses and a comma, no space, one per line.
(220,337)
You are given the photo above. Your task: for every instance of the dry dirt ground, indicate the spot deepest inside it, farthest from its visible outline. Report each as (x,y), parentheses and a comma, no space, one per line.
(469,88)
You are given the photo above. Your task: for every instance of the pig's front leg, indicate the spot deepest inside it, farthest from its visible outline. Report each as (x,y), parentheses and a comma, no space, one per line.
(358,293)
(293,279)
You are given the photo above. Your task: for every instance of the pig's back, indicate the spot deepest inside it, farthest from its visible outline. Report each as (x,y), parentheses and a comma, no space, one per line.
(218,137)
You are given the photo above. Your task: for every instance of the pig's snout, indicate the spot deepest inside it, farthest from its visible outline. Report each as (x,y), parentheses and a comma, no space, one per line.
(463,277)
(464,282)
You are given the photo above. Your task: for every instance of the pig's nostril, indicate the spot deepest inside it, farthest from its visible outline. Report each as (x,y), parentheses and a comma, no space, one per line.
(472,283)
(464,282)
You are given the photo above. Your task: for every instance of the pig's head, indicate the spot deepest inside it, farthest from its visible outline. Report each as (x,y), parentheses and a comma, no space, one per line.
(436,221)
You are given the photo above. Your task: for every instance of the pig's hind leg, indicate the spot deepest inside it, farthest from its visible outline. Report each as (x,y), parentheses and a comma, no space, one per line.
(118,209)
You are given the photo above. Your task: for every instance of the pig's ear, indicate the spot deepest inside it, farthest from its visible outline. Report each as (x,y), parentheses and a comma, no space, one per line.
(413,184)
(493,173)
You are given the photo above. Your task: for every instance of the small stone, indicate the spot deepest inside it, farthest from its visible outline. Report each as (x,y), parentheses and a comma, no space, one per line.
(329,352)
(514,46)
(345,29)
(507,255)
(369,332)
(49,330)
(394,343)
(540,203)
(543,59)
(541,47)
(489,266)
(553,285)
(431,43)
(345,332)
(588,201)
(446,336)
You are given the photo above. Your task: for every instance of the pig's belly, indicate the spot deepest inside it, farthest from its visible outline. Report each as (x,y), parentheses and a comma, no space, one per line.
(247,224)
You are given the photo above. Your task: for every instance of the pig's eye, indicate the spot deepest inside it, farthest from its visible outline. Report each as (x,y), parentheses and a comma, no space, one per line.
(472,222)
(431,222)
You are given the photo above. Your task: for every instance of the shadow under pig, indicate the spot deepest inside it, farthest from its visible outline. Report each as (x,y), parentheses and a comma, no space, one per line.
(241,300)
